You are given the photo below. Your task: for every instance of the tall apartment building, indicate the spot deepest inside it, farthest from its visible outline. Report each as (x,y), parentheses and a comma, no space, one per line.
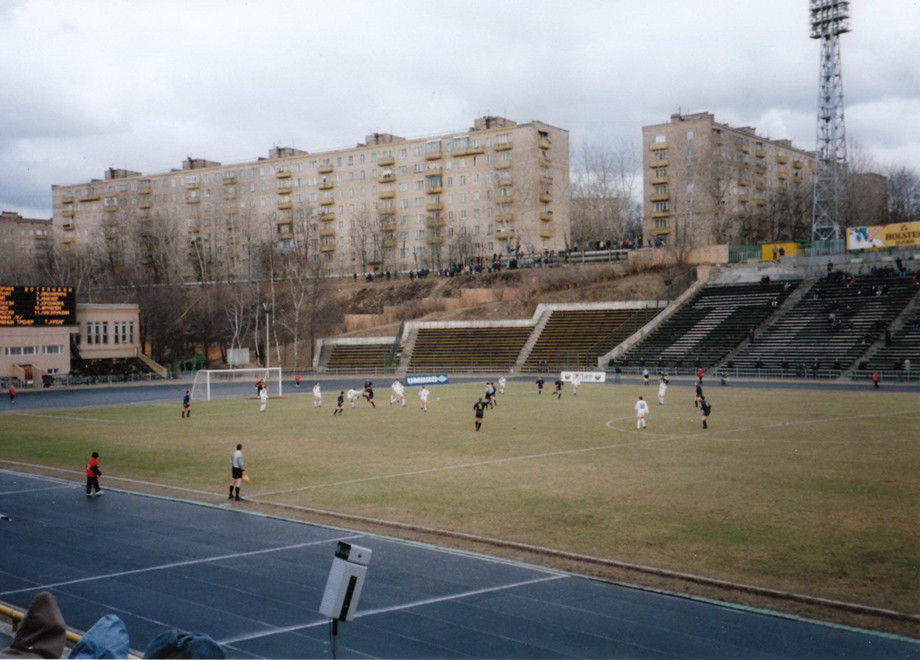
(388,203)
(705,183)
(23,238)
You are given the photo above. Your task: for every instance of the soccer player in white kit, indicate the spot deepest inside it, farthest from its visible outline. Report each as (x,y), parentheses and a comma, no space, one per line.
(423,395)
(352,395)
(397,393)
(263,399)
(662,388)
(501,384)
(317,396)
(576,381)
(641,413)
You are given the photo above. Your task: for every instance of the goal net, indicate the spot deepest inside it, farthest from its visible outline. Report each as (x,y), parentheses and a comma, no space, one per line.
(224,383)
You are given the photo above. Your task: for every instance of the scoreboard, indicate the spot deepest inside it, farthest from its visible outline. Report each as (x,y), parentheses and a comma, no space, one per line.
(37,306)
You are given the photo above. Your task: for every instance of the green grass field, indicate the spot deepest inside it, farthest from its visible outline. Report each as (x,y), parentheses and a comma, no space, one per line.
(815,492)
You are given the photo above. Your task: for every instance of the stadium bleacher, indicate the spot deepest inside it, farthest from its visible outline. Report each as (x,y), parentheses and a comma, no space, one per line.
(574,339)
(358,357)
(493,348)
(831,326)
(709,326)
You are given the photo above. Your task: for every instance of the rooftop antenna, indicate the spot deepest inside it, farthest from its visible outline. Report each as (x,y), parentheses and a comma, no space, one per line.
(829,19)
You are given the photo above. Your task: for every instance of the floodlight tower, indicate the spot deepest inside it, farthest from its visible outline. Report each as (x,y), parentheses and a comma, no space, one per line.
(829,19)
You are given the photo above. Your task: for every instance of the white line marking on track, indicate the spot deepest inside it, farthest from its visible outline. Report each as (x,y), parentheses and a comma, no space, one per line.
(394,608)
(179,564)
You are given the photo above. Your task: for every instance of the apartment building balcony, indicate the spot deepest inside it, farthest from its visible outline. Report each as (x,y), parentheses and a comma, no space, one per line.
(192,185)
(742,181)
(433,155)
(434,239)
(388,177)
(193,199)
(330,247)
(546,233)
(69,225)
(660,231)
(325,169)
(434,190)
(658,180)
(90,197)
(68,212)
(660,214)
(285,204)
(658,163)
(283,174)
(111,208)
(503,146)
(742,199)
(388,242)
(507,198)
(144,188)
(229,179)
(194,229)
(386,194)
(504,234)
(782,173)
(658,146)
(326,184)
(67,200)
(760,185)
(544,143)
(782,159)
(503,164)
(505,217)
(797,164)
(285,230)
(434,221)
(760,201)
(327,216)
(660,197)
(546,216)
(760,168)
(327,231)
(284,188)
(760,153)
(69,241)
(326,201)
(434,206)
(546,197)
(386,161)
(470,150)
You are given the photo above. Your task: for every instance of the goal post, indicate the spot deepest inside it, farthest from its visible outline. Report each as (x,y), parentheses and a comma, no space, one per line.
(211,383)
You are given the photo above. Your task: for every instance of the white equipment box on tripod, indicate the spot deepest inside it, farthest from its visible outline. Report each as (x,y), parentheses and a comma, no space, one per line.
(346,578)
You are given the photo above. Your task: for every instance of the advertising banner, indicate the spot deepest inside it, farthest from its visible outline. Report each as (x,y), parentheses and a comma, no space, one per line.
(586,376)
(883,236)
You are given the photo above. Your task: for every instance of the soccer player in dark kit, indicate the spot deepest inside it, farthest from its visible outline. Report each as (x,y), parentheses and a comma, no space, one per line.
(479,408)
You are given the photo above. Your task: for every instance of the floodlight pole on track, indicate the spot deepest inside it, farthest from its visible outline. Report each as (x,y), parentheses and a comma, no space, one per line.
(829,19)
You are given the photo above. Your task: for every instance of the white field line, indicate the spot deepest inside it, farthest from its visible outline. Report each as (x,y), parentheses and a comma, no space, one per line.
(710,433)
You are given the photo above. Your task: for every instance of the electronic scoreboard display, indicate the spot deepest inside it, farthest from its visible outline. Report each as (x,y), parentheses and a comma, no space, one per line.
(37,306)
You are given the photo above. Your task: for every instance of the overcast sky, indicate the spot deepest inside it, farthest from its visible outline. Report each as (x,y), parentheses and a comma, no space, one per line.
(92,84)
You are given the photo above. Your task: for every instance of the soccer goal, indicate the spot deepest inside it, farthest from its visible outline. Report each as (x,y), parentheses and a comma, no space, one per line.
(210,383)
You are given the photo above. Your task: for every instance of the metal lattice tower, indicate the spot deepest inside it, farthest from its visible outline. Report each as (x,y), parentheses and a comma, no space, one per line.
(829,19)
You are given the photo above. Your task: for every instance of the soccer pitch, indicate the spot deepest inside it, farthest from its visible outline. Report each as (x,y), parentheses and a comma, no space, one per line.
(809,491)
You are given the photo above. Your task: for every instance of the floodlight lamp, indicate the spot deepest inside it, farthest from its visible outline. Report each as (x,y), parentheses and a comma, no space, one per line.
(829,17)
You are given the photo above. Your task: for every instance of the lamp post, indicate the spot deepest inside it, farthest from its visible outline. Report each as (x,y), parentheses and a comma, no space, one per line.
(268,308)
